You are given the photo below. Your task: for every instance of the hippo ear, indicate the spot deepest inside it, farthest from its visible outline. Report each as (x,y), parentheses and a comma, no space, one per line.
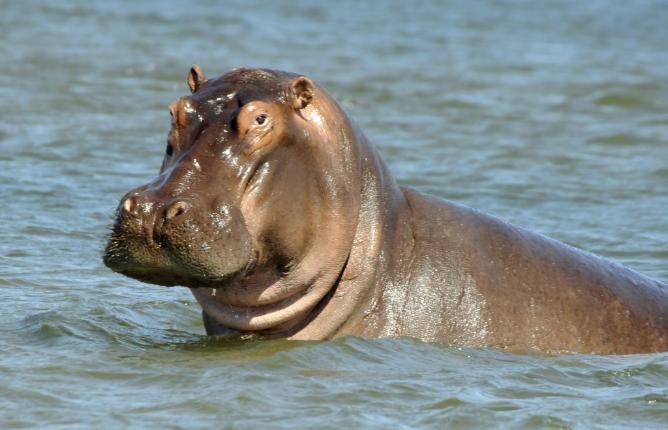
(301,92)
(195,78)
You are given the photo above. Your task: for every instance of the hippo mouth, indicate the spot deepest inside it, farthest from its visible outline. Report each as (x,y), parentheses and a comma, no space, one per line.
(158,267)
(154,252)
(153,261)
(153,275)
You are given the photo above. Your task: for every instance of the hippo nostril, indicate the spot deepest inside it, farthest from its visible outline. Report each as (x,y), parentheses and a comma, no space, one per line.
(130,205)
(176,209)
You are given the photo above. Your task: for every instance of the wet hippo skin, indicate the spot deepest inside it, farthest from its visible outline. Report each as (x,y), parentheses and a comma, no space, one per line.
(272,206)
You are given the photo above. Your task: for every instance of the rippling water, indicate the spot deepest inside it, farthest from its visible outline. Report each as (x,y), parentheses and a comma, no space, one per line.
(552,116)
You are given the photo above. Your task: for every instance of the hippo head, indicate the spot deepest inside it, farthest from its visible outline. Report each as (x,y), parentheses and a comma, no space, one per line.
(257,196)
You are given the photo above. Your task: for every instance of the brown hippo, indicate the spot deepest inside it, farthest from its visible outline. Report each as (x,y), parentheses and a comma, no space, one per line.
(276,211)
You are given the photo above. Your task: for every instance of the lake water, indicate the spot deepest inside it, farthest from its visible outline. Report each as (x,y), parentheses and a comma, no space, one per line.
(552,116)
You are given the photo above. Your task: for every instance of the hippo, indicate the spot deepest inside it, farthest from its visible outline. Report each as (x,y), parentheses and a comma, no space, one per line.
(276,211)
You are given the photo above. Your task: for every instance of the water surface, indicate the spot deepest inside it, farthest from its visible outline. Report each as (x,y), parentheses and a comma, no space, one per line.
(552,116)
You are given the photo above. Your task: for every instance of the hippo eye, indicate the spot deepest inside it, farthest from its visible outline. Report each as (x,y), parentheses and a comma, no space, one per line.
(170,149)
(260,119)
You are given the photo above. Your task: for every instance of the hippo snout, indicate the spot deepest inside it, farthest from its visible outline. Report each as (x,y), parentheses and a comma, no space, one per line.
(146,226)
(168,240)
(153,214)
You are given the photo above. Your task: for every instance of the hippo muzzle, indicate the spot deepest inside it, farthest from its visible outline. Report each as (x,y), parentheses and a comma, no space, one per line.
(167,240)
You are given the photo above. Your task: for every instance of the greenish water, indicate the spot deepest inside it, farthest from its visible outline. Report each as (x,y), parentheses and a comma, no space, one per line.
(552,116)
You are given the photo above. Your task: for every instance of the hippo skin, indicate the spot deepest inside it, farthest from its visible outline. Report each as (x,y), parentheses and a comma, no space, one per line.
(276,211)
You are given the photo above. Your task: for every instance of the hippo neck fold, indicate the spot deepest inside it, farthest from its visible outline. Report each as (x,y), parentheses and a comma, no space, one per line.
(382,221)
(295,296)
(290,298)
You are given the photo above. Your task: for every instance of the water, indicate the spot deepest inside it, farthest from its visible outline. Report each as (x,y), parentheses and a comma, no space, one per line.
(552,116)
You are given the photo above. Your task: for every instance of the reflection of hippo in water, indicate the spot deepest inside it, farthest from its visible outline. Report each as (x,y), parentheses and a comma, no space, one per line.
(276,211)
